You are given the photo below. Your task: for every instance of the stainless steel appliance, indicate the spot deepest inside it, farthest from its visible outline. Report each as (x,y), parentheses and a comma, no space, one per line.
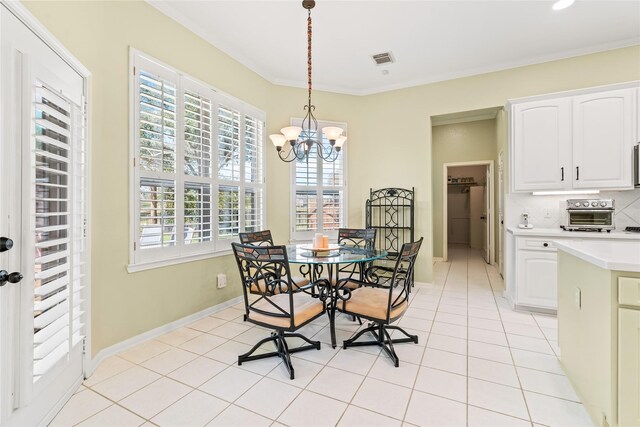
(589,215)
(636,165)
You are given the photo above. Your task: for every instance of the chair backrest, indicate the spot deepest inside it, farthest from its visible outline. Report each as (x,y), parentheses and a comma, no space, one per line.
(257,238)
(358,237)
(402,279)
(265,268)
(364,238)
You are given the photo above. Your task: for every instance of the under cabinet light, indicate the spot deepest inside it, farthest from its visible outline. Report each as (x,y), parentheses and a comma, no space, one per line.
(562,4)
(562,193)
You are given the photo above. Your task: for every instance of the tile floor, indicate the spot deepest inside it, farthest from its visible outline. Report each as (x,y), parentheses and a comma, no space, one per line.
(478,363)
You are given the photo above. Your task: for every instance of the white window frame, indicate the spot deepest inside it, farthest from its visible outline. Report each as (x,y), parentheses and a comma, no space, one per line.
(302,236)
(148,258)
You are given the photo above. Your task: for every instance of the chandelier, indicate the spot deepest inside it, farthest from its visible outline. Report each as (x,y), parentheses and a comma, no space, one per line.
(302,139)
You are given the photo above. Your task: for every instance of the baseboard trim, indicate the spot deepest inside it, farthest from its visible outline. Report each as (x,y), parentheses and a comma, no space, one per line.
(156,332)
(438,259)
(423,284)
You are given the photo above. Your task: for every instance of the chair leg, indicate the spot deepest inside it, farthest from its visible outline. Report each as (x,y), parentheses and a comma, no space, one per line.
(248,355)
(282,349)
(283,352)
(410,338)
(388,348)
(314,344)
(382,339)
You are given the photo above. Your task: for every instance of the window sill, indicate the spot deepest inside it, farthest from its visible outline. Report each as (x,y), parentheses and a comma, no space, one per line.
(148,265)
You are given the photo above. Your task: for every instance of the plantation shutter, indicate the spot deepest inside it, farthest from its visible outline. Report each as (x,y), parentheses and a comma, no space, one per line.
(198,113)
(198,168)
(158,163)
(228,171)
(59,195)
(253,174)
(319,190)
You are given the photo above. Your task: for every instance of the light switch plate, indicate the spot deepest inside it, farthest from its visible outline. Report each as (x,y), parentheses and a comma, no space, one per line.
(578,297)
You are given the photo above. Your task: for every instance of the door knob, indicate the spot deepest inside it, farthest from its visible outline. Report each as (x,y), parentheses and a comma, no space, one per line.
(5,244)
(5,277)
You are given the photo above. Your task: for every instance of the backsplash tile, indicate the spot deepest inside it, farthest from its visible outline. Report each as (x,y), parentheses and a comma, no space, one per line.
(627,211)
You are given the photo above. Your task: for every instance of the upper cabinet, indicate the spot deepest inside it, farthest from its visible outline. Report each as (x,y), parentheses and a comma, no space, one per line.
(603,135)
(574,142)
(542,145)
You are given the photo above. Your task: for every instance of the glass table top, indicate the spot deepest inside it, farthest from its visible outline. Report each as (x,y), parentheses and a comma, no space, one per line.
(346,254)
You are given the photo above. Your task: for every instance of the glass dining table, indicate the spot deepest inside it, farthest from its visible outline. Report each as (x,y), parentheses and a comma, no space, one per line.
(314,266)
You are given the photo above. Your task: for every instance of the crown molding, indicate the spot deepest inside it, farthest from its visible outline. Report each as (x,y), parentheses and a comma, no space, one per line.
(175,14)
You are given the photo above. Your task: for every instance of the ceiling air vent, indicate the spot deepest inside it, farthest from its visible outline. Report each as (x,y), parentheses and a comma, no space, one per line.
(382,58)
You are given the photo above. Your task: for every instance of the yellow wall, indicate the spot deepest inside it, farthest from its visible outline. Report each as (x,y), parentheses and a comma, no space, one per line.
(389,145)
(394,146)
(99,34)
(459,142)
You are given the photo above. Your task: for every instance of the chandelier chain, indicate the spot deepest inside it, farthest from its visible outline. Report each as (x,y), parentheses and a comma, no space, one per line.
(309,32)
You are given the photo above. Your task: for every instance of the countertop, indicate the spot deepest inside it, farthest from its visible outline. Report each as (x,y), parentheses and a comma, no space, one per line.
(616,255)
(558,232)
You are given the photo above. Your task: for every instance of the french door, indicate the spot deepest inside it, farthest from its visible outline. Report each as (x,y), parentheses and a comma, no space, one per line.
(43,213)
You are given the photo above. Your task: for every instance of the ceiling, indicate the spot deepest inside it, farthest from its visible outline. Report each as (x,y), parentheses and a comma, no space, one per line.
(430,40)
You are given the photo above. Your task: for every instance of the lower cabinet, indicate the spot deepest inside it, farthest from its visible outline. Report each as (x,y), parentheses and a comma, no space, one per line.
(629,367)
(537,276)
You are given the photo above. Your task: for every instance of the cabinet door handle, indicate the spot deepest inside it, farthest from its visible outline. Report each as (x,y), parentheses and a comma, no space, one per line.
(577,173)
(562,171)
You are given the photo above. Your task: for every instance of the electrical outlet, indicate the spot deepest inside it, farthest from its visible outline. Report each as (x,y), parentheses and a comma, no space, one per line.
(548,213)
(222,280)
(578,298)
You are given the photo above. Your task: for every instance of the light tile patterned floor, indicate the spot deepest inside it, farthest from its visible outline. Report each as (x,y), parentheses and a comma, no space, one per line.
(478,363)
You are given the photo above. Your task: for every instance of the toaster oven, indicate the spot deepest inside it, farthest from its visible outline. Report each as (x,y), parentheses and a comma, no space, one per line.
(589,215)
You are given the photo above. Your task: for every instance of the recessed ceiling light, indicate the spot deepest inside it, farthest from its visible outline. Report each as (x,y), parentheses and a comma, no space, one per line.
(562,4)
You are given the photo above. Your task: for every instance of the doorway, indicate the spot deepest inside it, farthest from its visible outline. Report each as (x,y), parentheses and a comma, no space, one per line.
(467,216)
(44,304)
(501,213)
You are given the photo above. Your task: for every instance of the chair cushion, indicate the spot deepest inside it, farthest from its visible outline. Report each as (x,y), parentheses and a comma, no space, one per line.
(305,307)
(373,303)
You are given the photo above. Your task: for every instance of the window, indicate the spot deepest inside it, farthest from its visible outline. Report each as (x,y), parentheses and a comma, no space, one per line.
(196,154)
(319,191)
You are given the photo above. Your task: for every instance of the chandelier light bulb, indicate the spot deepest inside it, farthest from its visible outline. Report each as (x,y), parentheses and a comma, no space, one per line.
(291,133)
(278,140)
(332,133)
(340,142)
(562,4)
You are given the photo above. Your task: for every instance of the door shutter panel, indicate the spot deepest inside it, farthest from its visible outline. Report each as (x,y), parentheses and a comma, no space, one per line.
(59,190)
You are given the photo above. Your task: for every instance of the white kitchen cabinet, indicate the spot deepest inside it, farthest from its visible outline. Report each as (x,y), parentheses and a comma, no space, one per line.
(579,140)
(542,145)
(536,276)
(629,367)
(604,126)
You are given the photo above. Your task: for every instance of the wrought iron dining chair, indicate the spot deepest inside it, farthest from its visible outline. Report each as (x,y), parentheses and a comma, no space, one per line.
(362,238)
(264,238)
(381,302)
(285,311)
